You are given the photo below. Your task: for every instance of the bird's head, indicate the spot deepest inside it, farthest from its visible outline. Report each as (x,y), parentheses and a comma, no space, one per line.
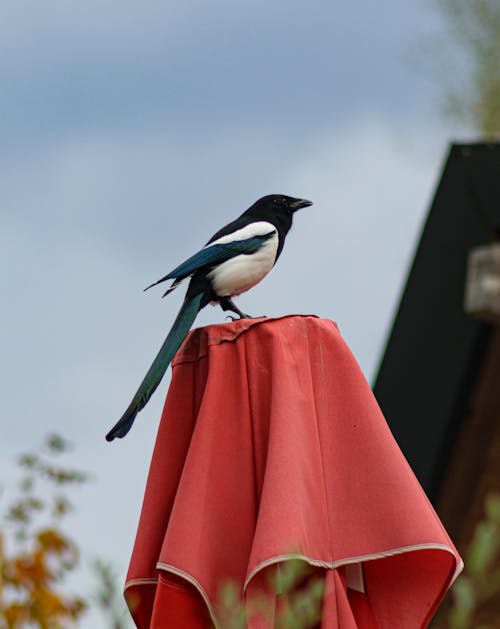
(280,204)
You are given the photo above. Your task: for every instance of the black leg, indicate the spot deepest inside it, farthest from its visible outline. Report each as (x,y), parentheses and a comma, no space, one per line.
(226,303)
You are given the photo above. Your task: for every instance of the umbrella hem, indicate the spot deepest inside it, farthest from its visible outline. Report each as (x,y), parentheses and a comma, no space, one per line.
(332,565)
(133,582)
(185,575)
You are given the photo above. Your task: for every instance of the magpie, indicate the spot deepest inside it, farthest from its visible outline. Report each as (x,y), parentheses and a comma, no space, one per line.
(234,260)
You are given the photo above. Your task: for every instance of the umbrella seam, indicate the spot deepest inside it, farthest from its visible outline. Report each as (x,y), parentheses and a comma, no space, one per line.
(320,445)
(249,389)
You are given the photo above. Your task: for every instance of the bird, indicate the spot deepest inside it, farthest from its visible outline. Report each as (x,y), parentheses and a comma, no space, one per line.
(236,258)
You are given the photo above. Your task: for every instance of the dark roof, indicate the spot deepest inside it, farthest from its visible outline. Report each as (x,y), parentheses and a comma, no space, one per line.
(434,348)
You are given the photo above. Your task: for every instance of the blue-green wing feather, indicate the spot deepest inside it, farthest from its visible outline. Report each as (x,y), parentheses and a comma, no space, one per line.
(215,254)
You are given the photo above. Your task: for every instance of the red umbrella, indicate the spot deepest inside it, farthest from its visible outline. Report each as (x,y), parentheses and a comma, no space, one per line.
(272,446)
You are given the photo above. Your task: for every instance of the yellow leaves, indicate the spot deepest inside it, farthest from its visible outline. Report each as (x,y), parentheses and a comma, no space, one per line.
(44,608)
(53,540)
(16,615)
(31,579)
(47,604)
(28,570)
(35,555)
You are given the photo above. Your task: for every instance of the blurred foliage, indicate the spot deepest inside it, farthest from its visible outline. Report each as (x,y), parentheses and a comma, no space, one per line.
(300,589)
(109,595)
(480,582)
(473,77)
(36,556)
(299,599)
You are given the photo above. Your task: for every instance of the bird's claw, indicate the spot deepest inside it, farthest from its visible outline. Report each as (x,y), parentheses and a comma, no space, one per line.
(245,316)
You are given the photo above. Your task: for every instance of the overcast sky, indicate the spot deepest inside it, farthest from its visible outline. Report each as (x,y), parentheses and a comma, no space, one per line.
(130,132)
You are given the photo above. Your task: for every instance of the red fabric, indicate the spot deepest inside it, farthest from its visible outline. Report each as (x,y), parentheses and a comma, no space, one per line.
(167,604)
(271,444)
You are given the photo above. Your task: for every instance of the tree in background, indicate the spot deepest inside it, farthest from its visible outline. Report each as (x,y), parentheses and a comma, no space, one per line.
(476,592)
(36,556)
(472,95)
(109,596)
(472,78)
(480,582)
(300,591)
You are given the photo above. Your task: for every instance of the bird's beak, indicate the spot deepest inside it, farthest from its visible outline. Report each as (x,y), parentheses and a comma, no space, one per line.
(297,204)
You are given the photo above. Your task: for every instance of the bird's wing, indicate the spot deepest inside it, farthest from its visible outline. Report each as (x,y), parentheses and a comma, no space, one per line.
(217,253)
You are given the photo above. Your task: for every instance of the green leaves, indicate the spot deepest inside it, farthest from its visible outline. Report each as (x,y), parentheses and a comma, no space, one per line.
(481,579)
(299,592)
(473,96)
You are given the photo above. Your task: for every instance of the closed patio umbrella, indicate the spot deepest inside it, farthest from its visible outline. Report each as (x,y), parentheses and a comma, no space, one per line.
(272,447)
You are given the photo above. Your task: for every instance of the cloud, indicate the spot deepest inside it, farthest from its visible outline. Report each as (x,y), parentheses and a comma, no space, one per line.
(90,68)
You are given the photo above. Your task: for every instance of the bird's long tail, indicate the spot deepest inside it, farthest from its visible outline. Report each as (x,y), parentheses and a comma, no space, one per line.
(152,379)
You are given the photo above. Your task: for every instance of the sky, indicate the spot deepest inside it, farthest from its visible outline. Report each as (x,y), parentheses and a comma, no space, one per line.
(130,133)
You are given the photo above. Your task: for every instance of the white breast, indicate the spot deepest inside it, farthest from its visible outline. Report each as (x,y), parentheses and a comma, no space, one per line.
(239,274)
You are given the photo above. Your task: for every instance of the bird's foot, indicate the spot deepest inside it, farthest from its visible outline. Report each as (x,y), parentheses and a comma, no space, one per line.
(245,316)
(227,304)
(241,315)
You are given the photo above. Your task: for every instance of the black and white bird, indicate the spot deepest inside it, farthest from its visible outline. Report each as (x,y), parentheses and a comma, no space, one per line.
(234,260)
